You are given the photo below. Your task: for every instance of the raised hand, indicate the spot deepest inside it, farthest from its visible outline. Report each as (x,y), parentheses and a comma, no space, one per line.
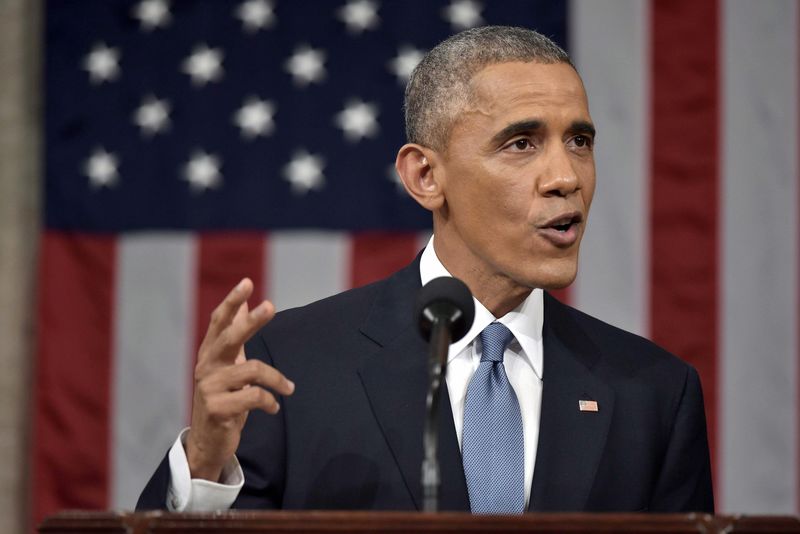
(227,385)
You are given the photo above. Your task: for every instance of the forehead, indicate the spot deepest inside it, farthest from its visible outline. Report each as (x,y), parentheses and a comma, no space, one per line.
(511,91)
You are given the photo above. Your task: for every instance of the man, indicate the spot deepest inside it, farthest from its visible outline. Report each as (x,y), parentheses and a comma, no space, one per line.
(545,408)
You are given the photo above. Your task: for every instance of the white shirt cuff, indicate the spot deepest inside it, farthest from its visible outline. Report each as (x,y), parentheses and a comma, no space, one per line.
(186,494)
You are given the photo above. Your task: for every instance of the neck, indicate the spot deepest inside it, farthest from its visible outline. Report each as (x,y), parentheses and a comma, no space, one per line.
(498,295)
(497,292)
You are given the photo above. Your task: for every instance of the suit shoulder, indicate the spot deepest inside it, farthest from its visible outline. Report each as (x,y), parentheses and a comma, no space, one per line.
(622,346)
(347,307)
(303,335)
(349,310)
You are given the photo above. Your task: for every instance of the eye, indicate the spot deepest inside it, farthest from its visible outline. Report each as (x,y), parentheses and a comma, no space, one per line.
(582,141)
(522,143)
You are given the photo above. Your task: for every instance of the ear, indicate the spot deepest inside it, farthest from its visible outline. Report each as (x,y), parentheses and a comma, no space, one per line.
(417,167)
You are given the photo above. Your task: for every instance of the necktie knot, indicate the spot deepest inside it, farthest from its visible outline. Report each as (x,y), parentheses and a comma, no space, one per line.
(495,339)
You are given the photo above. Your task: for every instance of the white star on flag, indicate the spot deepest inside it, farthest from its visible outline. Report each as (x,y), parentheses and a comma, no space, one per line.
(102,63)
(152,116)
(202,171)
(463,14)
(101,168)
(306,65)
(359,15)
(256,15)
(404,63)
(152,14)
(254,118)
(204,65)
(357,120)
(304,172)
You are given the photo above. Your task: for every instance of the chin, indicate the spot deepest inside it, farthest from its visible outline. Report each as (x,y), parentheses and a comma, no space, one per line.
(556,276)
(557,284)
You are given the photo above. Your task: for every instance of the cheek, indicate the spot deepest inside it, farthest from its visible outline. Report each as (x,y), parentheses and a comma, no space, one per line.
(470,190)
(504,204)
(490,199)
(511,187)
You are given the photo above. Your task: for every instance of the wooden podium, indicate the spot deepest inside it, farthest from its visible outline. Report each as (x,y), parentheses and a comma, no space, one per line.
(410,522)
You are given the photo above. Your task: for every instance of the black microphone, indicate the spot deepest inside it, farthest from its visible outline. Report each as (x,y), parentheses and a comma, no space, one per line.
(444,314)
(447,299)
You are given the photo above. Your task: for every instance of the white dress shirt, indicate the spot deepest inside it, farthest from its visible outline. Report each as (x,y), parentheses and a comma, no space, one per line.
(522,359)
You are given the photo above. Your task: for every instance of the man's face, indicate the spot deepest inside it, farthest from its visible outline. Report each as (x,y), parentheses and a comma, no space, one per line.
(519,176)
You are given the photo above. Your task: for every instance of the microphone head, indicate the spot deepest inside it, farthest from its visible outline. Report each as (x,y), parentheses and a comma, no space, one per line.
(448,298)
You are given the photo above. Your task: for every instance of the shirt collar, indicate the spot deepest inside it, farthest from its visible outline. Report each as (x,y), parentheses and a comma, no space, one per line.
(525,321)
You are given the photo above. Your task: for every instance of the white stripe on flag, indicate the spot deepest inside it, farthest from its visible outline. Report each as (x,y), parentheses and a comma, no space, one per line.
(152,362)
(759,257)
(610,43)
(304,266)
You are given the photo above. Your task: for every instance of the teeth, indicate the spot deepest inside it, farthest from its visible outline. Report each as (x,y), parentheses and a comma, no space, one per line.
(562,225)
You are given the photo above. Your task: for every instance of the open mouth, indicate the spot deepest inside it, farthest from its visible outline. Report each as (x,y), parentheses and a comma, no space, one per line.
(564,222)
(562,230)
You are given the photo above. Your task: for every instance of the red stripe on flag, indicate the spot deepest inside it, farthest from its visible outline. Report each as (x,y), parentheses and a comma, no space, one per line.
(684,191)
(375,255)
(224,259)
(71,397)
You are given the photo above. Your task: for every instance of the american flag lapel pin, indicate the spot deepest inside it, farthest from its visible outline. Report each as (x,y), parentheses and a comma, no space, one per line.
(587,405)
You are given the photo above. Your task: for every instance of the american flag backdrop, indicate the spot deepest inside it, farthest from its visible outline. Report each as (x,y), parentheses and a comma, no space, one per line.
(189,143)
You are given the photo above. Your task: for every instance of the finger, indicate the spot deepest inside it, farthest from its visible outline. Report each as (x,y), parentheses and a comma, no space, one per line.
(223,314)
(251,372)
(230,341)
(241,312)
(231,404)
(240,357)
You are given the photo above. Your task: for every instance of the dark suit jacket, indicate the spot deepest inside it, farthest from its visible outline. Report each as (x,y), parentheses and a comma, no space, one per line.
(351,435)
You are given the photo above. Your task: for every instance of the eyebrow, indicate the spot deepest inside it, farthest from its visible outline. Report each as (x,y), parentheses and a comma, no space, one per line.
(577,127)
(516,128)
(582,127)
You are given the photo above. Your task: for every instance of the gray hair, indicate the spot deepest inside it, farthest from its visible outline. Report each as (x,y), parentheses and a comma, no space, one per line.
(439,87)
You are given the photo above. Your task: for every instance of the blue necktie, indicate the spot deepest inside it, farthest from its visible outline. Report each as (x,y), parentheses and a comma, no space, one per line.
(493,446)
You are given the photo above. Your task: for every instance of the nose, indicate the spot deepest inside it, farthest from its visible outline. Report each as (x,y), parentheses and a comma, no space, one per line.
(558,177)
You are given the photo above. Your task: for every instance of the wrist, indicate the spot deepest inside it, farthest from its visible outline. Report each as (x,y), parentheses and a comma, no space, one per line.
(201,465)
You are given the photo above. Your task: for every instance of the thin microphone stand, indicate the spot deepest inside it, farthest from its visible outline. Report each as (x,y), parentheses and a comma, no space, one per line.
(439,344)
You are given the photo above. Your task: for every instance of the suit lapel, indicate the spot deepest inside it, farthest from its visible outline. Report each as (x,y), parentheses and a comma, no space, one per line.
(571,441)
(395,379)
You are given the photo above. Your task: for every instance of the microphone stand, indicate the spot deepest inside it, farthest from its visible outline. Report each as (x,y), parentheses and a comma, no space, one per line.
(444,312)
(437,365)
